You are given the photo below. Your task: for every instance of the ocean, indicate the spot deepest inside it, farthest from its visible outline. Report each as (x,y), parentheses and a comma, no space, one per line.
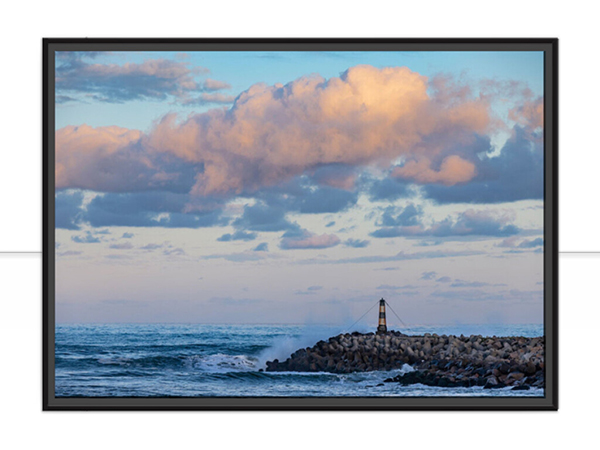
(194,360)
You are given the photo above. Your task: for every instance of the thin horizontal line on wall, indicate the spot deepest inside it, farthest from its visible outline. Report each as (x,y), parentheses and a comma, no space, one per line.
(18,253)
(581,253)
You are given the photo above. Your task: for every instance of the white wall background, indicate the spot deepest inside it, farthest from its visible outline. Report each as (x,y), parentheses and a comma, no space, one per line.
(23,424)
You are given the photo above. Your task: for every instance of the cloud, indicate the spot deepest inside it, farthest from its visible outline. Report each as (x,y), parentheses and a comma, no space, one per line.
(394,217)
(480,295)
(67,209)
(401,256)
(153,79)
(88,238)
(469,223)
(462,283)
(230,301)
(468,295)
(356,243)
(429,243)
(339,176)
(330,224)
(139,209)
(174,251)
(444,280)
(303,196)
(311,290)
(127,236)
(262,247)
(388,189)
(69,253)
(269,213)
(309,241)
(530,114)
(214,85)
(209,99)
(517,173)
(118,257)
(538,242)
(149,209)
(324,200)
(271,131)
(114,159)
(122,246)
(60,99)
(151,246)
(264,218)
(428,275)
(237,236)
(453,170)
(238,257)
(298,147)
(75,57)
(387,287)
(511,242)
(274,133)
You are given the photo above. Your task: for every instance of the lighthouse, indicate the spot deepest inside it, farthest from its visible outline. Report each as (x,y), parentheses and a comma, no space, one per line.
(382,327)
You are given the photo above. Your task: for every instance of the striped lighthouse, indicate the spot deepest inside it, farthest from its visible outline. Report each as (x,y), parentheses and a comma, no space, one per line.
(382,327)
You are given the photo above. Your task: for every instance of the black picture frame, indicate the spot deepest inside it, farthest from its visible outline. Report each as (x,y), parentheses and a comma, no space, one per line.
(550,402)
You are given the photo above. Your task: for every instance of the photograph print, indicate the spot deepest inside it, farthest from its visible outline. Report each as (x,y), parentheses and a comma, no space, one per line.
(298,224)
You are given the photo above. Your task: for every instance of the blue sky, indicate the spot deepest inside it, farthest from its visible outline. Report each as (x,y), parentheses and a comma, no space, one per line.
(284,187)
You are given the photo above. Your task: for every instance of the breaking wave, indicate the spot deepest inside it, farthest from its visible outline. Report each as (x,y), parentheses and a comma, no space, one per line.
(221,363)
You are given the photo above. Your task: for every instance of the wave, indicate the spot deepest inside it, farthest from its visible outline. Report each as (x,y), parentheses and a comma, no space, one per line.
(284,346)
(221,363)
(142,362)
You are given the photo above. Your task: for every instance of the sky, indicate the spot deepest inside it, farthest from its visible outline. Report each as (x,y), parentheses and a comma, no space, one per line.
(299,187)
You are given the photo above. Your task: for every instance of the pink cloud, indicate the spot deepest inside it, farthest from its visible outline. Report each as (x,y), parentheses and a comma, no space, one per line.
(530,114)
(214,85)
(367,116)
(453,170)
(310,241)
(81,150)
(340,177)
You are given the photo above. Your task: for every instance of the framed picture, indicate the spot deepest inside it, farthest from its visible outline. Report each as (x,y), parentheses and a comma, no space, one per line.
(300,224)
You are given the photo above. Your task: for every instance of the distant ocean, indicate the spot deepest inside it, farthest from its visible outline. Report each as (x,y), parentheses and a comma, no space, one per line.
(186,360)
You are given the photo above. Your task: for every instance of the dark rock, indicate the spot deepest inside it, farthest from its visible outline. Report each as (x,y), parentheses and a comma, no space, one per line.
(516,376)
(440,360)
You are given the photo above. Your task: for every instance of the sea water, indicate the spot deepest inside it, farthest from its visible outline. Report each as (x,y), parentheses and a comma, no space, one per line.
(191,360)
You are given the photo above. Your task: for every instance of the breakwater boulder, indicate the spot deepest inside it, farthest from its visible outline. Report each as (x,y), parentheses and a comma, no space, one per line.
(438,360)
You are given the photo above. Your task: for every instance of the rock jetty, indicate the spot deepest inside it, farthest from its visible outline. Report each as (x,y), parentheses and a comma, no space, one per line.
(445,361)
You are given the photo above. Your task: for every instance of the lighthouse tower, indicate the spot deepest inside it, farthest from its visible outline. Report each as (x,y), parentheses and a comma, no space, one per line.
(382,328)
